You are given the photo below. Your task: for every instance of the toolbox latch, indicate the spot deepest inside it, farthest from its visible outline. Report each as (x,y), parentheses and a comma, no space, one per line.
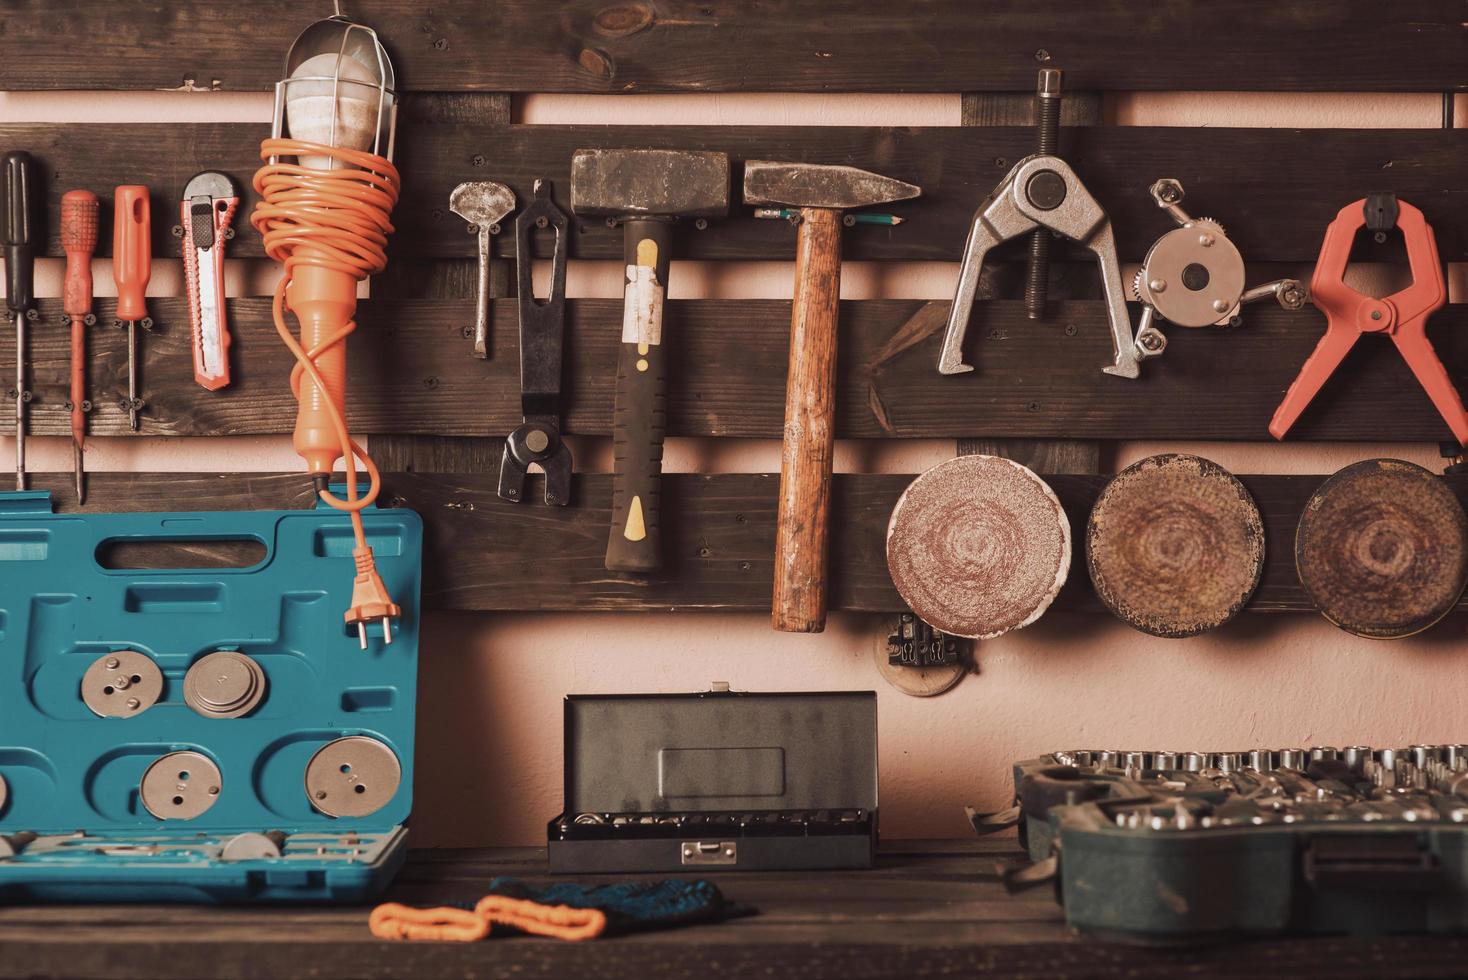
(1386,862)
(707,852)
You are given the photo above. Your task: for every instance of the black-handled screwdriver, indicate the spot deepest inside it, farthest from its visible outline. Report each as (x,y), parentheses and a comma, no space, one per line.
(20,225)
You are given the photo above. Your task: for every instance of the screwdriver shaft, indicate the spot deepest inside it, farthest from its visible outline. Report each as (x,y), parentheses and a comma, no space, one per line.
(132,374)
(20,343)
(78,398)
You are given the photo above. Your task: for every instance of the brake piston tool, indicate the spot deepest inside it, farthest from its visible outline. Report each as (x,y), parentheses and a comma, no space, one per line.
(646,192)
(1193,276)
(819,193)
(132,266)
(22,227)
(1042,194)
(327,189)
(205,215)
(537,439)
(484,204)
(1402,316)
(80,212)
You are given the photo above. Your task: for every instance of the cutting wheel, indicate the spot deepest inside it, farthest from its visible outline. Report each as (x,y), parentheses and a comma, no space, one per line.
(1382,549)
(1175,545)
(978,546)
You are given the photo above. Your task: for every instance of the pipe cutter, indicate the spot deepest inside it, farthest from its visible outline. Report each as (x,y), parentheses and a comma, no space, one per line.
(542,324)
(1043,192)
(1401,316)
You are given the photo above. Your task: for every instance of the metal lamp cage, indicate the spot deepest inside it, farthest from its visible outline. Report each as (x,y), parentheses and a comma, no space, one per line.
(352,42)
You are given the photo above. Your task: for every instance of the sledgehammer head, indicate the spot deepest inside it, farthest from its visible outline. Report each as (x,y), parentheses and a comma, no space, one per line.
(817,185)
(652,183)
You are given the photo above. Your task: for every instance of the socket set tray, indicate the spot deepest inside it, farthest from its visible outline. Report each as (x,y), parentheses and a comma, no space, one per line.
(717,780)
(1161,847)
(204,734)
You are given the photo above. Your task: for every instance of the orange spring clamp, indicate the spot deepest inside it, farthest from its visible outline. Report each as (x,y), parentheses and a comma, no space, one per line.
(1401,316)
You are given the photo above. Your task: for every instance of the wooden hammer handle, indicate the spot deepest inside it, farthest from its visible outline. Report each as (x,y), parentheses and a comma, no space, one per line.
(810,397)
(639,413)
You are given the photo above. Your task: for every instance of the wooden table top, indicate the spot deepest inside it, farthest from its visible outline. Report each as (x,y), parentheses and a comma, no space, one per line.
(930,908)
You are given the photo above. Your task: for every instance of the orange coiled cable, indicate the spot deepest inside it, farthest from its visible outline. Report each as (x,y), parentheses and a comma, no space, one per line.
(337,220)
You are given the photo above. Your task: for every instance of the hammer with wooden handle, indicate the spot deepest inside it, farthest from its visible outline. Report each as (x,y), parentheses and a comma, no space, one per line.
(821,193)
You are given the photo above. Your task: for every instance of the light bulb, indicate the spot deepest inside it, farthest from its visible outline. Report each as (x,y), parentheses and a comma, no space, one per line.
(310,108)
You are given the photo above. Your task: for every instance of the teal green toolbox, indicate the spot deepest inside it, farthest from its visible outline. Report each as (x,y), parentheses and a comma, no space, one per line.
(1169,847)
(210,734)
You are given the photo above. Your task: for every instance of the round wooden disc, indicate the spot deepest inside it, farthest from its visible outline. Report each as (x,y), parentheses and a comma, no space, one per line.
(1382,549)
(978,546)
(1175,545)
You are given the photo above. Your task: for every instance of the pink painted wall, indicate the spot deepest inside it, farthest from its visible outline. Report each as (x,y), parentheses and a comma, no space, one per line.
(489,749)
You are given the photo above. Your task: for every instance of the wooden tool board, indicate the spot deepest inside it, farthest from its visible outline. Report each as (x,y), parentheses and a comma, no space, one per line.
(428,404)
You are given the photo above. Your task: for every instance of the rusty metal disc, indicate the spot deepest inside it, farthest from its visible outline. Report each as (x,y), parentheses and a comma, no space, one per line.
(1382,549)
(978,546)
(1175,545)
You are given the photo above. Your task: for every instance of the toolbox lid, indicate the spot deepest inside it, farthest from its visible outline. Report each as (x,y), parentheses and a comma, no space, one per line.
(720,751)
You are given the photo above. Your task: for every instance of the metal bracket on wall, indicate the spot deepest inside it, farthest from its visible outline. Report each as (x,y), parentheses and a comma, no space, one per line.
(921,661)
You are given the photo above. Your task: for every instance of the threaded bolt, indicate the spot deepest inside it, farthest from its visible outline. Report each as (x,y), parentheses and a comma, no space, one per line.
(1047,126)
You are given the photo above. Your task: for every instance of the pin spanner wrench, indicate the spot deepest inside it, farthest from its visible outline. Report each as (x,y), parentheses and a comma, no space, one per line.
(542,326)
(1042,191)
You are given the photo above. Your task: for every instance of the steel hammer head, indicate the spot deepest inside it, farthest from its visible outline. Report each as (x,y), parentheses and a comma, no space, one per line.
(817,185)
(655,183)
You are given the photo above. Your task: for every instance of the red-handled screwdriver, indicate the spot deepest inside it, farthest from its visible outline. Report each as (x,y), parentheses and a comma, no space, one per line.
(132,265)
(79,213)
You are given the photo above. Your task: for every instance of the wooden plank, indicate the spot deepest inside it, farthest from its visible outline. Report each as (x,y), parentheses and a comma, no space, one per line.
(454,279)
(927,909)
(482,553)
(412,373)
(703,46)
(1266,185)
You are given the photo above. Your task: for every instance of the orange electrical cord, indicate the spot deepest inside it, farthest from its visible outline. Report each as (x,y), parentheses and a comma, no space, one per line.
(329,227)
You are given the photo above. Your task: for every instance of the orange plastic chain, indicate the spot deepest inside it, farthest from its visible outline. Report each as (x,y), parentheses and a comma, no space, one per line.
(342,216)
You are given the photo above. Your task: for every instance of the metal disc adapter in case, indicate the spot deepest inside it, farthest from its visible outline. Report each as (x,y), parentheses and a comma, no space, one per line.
(122,684)
(180,786)
(352,777)
(224,685)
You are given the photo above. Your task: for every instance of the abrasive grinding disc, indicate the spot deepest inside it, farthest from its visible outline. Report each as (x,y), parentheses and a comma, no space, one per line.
(1382,549)
(1175,545)
(978,546)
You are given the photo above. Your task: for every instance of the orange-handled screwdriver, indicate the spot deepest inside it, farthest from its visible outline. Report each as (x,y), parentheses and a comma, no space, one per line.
(132,266)
(79,214)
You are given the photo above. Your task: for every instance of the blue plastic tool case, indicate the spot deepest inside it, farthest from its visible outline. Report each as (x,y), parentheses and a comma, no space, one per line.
(72,778)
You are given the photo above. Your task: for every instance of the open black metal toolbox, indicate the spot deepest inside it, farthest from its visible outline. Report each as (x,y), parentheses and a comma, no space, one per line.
(1171,846)
(718,780)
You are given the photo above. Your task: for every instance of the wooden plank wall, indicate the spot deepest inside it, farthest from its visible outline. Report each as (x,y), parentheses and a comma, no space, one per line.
(431,407)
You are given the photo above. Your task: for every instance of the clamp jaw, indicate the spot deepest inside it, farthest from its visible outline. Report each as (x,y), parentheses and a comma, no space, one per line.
(1042,191)
(542,324)
(1193,276)
(1402,315)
